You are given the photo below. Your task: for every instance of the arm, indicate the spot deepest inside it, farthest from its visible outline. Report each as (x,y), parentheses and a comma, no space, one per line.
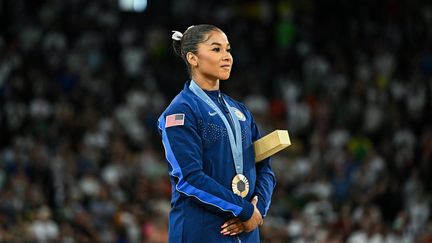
(266,181)
(183,149)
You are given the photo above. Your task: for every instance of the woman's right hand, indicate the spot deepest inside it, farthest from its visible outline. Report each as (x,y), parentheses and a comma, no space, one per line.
(256,219)
(235,226)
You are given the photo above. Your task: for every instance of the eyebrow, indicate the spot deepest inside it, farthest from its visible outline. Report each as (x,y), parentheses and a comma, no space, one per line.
(218,44)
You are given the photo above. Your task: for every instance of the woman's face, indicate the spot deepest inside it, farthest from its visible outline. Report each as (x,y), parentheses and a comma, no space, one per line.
(214,60)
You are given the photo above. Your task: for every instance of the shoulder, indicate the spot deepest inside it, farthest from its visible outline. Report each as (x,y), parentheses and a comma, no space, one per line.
(182,104)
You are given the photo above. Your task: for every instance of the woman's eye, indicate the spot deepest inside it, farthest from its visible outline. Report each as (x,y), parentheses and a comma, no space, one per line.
(229,50)
(217,49)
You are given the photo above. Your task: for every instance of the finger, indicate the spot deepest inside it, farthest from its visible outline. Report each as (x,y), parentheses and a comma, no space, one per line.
(233,226)
(230,222)
(255,200)
(237,231)
(233,229)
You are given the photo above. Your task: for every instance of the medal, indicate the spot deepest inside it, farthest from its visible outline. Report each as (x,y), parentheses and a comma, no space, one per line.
(240,185)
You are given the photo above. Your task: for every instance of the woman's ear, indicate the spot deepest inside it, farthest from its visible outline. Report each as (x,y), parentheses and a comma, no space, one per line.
(192,59)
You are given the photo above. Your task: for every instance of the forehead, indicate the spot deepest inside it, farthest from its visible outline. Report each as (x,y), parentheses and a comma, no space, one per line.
(216,36)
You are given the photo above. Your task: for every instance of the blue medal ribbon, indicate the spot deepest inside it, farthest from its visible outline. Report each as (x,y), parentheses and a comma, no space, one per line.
(234,139)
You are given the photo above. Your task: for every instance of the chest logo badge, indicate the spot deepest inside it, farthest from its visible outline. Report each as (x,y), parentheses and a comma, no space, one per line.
(239,114)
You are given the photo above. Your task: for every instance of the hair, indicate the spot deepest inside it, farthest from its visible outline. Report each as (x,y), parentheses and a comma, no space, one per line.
(194,35)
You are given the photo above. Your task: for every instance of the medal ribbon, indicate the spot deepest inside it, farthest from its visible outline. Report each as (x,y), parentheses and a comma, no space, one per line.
(235,142)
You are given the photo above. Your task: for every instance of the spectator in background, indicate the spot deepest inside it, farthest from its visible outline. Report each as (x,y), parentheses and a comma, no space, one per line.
(82,84)
(43,228)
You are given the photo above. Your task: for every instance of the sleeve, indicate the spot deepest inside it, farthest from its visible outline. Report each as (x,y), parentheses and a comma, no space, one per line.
(183,150)
(266,181)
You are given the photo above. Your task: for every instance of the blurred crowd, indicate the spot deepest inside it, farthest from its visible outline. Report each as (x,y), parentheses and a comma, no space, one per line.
(83,83)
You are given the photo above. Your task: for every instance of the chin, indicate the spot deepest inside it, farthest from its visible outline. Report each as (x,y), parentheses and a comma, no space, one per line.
(224,77)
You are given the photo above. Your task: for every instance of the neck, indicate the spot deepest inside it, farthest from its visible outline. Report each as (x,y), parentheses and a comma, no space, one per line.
(207,84)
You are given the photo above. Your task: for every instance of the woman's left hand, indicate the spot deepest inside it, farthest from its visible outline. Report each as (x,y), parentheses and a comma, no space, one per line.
(233,226)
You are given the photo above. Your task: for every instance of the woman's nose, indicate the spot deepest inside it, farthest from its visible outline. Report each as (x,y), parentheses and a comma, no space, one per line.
(227,57)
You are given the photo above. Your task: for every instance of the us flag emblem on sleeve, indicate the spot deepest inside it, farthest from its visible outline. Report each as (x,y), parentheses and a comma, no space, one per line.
(174,120)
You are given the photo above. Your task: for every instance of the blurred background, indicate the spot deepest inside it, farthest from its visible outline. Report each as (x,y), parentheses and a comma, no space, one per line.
(82,84)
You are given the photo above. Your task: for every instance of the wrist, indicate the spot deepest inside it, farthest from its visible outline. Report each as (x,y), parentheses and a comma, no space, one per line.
(247,212)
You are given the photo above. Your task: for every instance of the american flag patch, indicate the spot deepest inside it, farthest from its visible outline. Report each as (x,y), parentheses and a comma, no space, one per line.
(174,120)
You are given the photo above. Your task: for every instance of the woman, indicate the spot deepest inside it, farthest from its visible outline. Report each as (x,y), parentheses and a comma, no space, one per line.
(219,194)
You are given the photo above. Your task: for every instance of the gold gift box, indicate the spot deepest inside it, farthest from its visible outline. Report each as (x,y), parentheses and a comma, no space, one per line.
(271,144)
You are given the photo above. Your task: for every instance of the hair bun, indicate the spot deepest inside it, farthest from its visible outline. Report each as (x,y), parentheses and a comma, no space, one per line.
(177,35)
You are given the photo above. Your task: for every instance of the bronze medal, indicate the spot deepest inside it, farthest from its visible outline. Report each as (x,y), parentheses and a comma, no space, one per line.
(240,185)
